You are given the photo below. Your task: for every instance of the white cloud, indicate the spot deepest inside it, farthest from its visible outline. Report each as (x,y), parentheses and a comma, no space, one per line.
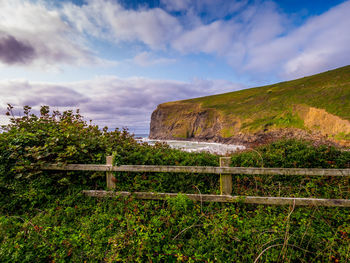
(322,43)
(109,100)
(266,43)
(109,20)
(31,34)
(207,9)
(317,45)
(213,38)
(145,59)
(262,40)
(255,38)
(237,38)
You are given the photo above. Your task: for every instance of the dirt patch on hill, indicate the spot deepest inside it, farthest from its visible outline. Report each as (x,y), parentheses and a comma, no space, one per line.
(321,120)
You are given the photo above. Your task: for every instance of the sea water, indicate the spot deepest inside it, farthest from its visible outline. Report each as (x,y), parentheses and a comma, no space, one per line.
(192,146)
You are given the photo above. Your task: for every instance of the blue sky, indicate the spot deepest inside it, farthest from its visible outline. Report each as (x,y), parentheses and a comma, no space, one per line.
(117,60)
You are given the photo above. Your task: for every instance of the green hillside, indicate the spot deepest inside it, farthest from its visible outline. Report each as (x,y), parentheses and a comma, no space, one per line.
(329,90)
(319,102)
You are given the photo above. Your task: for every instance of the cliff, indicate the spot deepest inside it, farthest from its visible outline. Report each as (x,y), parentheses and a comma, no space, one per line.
(315,108)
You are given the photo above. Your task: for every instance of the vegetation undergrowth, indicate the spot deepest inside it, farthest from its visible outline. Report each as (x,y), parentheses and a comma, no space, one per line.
(293,154)
(45,218)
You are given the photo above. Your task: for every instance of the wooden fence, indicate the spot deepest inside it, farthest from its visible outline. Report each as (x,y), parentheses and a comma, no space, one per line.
(226,186)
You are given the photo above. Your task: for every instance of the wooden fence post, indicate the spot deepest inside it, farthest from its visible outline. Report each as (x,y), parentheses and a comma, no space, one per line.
(109,175)
(225,179)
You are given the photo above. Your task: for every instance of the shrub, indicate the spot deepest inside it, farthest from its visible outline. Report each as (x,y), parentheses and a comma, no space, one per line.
(31,141)
(293,154)
(44,217)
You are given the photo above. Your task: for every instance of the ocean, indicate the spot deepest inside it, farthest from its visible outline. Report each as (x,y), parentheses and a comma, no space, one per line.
(192,146)
(141,135)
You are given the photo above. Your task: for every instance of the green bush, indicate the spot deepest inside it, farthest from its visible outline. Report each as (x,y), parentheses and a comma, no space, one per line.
(162,154)
(44,217)
(31,141)
(293,154)
(175,230)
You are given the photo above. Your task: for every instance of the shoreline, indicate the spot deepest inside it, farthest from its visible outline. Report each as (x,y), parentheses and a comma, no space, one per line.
(262,138)
(198,146)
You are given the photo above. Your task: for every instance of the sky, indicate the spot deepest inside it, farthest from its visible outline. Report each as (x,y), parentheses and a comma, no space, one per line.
(116,60)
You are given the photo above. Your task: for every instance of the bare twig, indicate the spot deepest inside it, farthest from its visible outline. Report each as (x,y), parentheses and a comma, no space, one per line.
(200,194)
(286,235)
(279,188)
(277,245)
(307,227)
(267,231)
(185,230)
(268,242)
(256,183)
(262,160)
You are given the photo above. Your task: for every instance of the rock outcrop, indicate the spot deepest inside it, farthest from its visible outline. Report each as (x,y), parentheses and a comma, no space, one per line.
(184,121)
(315,108)
(176,121)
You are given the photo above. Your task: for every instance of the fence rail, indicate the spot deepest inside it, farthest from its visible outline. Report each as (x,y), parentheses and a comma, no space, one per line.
(200,169)
(263,200)
(226,186)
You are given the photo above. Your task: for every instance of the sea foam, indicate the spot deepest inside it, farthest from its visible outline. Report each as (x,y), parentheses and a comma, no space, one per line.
(192,146)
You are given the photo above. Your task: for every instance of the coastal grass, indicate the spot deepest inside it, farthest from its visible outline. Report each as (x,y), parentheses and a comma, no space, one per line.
(274,105)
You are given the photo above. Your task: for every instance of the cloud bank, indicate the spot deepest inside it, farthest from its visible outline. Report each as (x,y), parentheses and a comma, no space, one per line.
(256,38)
(253,37)
(13,51)
(109,101)
(31,34)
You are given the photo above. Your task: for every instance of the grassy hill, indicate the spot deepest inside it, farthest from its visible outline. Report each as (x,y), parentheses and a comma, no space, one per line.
(316,103)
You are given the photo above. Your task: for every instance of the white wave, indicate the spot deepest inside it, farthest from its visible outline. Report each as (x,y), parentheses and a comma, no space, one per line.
(193,146)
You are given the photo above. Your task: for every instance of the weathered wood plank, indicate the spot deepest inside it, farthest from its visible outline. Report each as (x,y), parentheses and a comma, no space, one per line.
(78,167)
(200,169)
(225,179)
(228,198)
(109,175)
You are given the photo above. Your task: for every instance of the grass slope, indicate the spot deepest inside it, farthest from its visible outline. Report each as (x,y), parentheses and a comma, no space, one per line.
(273,104)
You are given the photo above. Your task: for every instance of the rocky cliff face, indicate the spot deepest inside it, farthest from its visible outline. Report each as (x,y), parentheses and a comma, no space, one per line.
(315,108)
(185,121)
